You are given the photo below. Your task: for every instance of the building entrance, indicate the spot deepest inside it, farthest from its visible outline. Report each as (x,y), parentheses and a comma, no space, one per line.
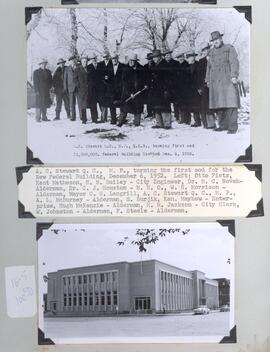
(142,303)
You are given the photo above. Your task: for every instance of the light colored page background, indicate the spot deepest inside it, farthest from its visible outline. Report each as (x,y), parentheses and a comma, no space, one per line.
(18,245)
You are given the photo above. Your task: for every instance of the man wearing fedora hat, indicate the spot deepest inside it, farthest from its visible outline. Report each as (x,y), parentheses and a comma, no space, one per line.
(183,67)
(171,66)
(105,69)
(222,77)
(60,93)
(42,79)
(117,84)
(207,115)
(133,81)
(81,79)
(147,72)
(93,86)
(159,92)
(191,95)
(70,85)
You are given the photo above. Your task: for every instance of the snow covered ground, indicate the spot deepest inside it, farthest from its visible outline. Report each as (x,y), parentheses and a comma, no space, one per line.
(66,141)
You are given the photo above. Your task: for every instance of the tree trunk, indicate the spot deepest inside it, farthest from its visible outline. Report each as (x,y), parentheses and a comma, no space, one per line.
(74,32)
(33,23)
(105,32)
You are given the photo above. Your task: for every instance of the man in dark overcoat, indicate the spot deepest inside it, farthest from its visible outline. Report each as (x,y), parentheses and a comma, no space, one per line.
(133,81)
(117,84)
(70,85)
(93,86)
(192,100)
(60,93)
(81,78)
(182,78)
(172,67)
(207,116)
(42,79)
(222,77)
(105,98)
(159,92)
(147,73)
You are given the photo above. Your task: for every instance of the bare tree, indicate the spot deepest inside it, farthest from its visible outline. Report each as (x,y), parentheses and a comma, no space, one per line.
(32,25)
(74,32)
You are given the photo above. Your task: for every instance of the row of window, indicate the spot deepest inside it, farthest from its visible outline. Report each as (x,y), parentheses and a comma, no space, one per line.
(93,299)
(174,278)
(177,302)
(92,278)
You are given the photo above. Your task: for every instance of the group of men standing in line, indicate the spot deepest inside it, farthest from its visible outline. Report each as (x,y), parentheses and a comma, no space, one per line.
(205,89)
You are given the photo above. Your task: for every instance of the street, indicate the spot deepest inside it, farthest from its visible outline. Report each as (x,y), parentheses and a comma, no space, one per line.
(215,323)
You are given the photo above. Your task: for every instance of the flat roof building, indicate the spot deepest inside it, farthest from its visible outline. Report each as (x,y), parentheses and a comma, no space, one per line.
(223,291)
(148,286)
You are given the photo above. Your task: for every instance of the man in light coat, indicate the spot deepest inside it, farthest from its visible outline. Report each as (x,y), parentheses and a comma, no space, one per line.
(221,78)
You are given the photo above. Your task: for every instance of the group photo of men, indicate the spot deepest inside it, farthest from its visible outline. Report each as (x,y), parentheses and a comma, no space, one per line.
(122,73)
(200,88)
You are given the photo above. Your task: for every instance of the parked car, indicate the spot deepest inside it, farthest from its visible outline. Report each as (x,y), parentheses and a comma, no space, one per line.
(201,310)
(224,308)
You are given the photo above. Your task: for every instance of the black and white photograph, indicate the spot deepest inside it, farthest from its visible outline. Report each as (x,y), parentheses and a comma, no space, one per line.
(136,283)
(138,85)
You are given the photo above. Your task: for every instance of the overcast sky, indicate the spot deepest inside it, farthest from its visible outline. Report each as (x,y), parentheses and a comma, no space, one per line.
(206,247)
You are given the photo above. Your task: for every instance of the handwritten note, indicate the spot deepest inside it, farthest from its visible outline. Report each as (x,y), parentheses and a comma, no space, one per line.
(20,291)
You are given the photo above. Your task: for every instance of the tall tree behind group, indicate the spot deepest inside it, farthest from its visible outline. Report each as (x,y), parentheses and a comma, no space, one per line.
(74,32)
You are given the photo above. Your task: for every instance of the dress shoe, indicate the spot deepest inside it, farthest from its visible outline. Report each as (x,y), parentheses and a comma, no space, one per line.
(167,127)
(231,132)
(121,123)
(56,118)
(157,126)
(218,129)
(45,119)
(196,125)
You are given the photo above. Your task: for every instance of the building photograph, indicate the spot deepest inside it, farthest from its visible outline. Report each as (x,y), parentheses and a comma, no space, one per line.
(146,279)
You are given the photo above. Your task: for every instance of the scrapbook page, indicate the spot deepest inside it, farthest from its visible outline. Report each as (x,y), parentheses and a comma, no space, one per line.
(134,211)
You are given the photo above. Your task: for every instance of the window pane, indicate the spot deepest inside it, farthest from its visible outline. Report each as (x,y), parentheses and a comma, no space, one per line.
(102,298)
(109,298)
(97,299)
(91,299)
